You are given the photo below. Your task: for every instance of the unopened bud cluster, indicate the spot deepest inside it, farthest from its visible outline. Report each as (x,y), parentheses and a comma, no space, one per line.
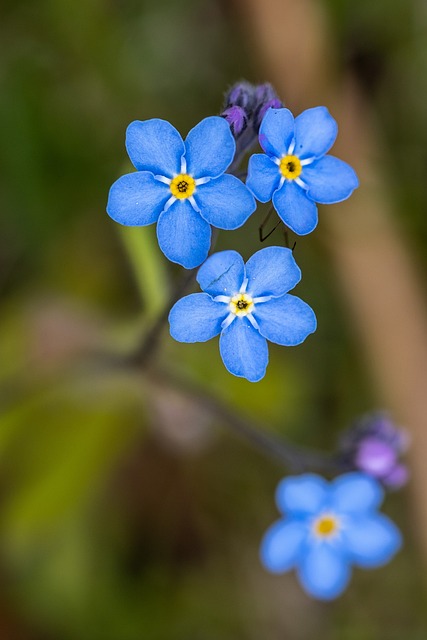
(373,444)
(246,105)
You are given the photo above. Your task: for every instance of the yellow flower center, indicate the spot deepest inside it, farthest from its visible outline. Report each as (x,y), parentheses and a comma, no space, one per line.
(325,526)
(182,186)
(241,304)
(290,167)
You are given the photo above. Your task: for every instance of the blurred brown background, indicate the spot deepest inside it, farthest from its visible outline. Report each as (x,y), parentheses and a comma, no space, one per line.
(126,510)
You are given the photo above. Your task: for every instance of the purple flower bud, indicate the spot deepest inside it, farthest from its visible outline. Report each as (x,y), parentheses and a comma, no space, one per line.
(244,109)
(397,477)
(265,92)
(373,445)
(240,95)
(376,457)
(237,119)
(265,97)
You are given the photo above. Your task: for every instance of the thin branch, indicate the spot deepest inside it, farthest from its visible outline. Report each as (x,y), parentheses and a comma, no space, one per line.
(264,222)
(296,458)
(144,352)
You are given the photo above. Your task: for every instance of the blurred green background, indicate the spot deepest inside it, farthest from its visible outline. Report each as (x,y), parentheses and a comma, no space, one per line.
(126,511)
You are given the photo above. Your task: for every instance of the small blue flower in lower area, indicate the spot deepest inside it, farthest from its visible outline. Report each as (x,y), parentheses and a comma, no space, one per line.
(294,171)
(182,186)
(327,528)
(247,305)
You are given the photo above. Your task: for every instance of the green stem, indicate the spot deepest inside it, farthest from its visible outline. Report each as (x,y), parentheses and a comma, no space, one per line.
(148,266)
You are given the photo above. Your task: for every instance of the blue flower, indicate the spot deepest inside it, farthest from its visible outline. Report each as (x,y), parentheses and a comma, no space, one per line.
(294,171)
(181,185)
(327,528)
(247,305)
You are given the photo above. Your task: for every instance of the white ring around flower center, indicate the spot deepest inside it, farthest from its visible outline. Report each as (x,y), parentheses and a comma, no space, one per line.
(241,304)
(326,526)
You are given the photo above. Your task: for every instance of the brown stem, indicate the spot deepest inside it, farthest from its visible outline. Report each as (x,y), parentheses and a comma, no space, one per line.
(150,343)
(296,458)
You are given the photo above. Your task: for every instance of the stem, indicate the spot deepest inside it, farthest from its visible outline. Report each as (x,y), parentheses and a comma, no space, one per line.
(264,222)
(145,351)
(296,458)
(148,267)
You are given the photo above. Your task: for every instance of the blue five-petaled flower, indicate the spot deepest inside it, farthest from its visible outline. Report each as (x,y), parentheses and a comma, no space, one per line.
(247,305)
(327,528)
(294,171)
(181,185)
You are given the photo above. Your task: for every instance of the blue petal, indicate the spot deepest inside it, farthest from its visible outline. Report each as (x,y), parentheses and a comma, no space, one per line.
(210,148)
(330,180)
(371,541)
(222,274)
(276,132)
(225,202)
(243,350)
(156,146)
(282,545)
(184,237)
(297,211)
(272,272)
(196,318)
(286,320)
(263,177)
(356,493)
(315,132)
(302,495)
(137,199)
(323,572)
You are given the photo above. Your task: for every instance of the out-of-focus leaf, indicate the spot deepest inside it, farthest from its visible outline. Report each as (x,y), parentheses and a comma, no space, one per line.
(149,267)
(65,445)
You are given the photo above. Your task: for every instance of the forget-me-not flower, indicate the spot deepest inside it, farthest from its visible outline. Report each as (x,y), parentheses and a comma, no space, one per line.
(327,528)
(182,186)
(247,305)
(294,171)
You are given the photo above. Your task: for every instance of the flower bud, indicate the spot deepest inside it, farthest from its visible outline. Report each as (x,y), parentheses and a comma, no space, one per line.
(240,95)
(373,445)
(265,97)
(236,118)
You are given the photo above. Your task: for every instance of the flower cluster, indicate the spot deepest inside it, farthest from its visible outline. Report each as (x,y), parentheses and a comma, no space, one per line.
(326,528)
(246,106)
(187,187)
(183,185)
(373,444)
